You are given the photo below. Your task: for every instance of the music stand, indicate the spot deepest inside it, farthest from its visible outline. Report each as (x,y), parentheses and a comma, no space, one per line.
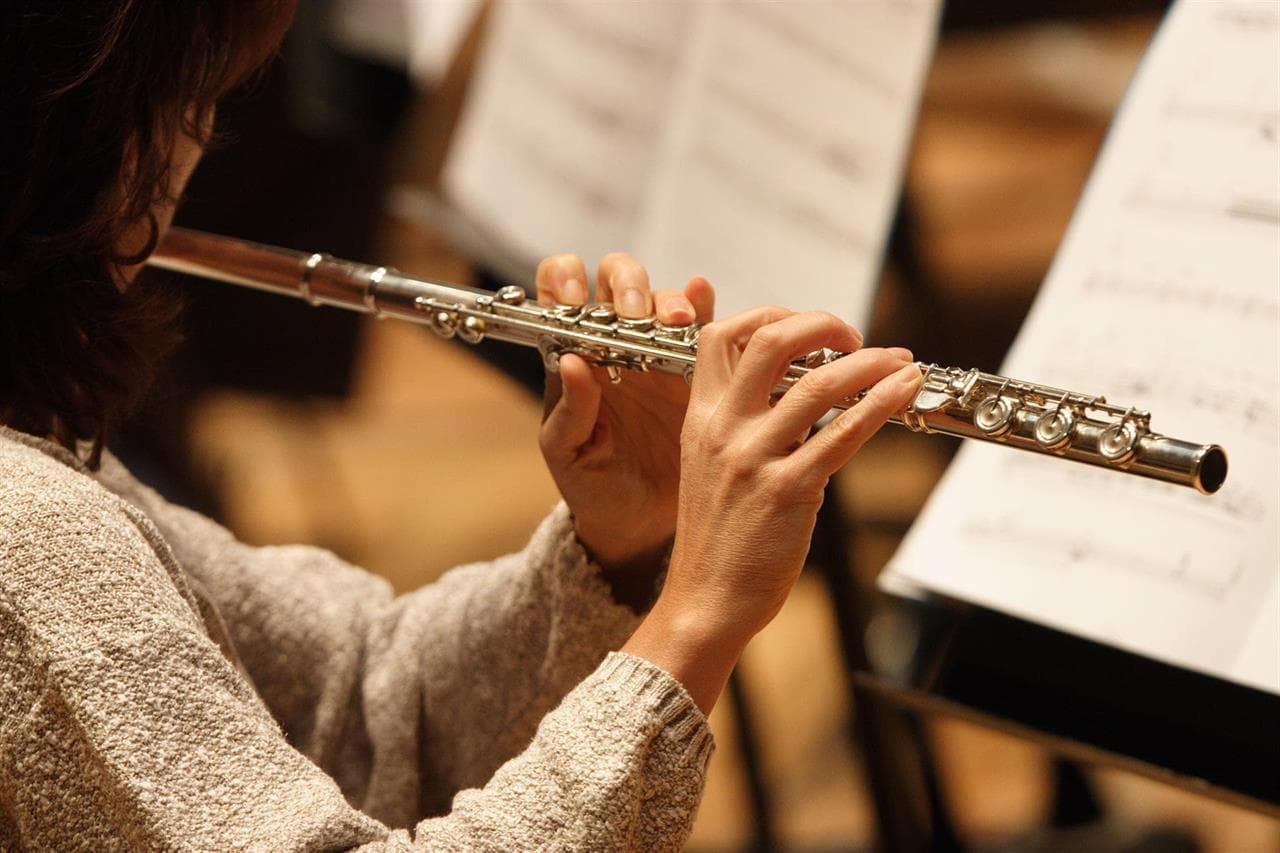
(1088,701)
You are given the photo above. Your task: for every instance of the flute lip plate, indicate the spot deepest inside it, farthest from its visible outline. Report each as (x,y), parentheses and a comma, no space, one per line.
(1212,472)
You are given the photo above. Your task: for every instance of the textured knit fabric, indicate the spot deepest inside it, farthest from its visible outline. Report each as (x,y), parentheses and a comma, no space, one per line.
(165,687)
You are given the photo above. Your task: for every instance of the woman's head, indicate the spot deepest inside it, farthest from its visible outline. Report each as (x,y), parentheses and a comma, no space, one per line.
(105,105)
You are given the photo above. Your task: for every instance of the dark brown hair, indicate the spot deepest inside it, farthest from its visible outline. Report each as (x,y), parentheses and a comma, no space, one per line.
(93,94)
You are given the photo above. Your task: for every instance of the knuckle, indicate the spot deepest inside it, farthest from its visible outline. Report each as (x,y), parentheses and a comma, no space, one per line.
(772,314)
(769,337)
(881,396)
(564,265)
(708,438)
(736,459)
(870,362)
(854,428)
(818,385)
(546,440)
(712,333)
(621,263)
(884,360)
(615,258)
(717,438)
(742,474)
(781,485)
(852,425)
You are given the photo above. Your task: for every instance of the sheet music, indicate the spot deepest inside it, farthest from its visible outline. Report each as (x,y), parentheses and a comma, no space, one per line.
(1165,294)
(786,150)
(760,144)
(557,142)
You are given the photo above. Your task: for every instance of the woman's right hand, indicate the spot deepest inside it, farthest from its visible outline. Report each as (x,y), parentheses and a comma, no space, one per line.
(752,480)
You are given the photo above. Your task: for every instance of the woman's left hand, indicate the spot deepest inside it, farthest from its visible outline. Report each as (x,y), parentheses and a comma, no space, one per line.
(614,449)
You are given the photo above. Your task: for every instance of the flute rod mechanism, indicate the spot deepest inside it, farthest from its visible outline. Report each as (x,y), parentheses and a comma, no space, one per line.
(952,401)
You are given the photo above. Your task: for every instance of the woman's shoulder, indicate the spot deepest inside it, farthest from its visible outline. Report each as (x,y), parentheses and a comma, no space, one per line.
(42,483)
(55,517)
(39,478)
(78,565)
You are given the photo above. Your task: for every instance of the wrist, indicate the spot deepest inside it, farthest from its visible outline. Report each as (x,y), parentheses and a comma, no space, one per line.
(631,569)
(634,582)
(690,646)
(611,544)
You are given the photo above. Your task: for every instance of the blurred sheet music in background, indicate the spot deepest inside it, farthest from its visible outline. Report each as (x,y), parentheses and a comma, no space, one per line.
(1164,294)
(759,144)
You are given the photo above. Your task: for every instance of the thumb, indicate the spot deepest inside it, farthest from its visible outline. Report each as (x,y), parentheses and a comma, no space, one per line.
(573,405)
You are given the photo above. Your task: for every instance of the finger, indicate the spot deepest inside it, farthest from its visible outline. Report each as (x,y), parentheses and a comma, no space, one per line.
(772,348)
(720,345)
(571,418)
(561,280)
(836,443)
(702,296)
(822,388)
(623,281)
(673,308)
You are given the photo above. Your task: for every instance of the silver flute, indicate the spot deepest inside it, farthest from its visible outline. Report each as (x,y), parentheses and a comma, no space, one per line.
(951,401)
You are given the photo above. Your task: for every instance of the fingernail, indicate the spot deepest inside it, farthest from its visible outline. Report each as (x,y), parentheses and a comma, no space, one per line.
(909,373)
(573,292)
(631,304)
(900,352)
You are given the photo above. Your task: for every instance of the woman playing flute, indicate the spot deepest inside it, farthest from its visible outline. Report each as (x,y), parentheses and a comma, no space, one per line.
(165,686)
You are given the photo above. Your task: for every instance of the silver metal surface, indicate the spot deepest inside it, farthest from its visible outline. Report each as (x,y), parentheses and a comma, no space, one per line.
(951,401)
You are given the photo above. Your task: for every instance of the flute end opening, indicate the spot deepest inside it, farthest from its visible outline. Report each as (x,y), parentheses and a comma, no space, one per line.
(1213,470)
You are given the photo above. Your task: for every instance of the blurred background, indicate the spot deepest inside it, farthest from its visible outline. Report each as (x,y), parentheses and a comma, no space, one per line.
(409,455)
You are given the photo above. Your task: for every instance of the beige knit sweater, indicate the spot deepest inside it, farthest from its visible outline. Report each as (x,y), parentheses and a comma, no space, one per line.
(165,687)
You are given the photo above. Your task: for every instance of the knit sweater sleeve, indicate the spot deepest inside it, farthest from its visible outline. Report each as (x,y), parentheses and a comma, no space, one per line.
(123,726)
(404,700)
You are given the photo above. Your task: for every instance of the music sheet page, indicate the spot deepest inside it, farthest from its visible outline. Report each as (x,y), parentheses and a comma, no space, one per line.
(557,143)
(1165,294)
(759,144)
(785,150)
